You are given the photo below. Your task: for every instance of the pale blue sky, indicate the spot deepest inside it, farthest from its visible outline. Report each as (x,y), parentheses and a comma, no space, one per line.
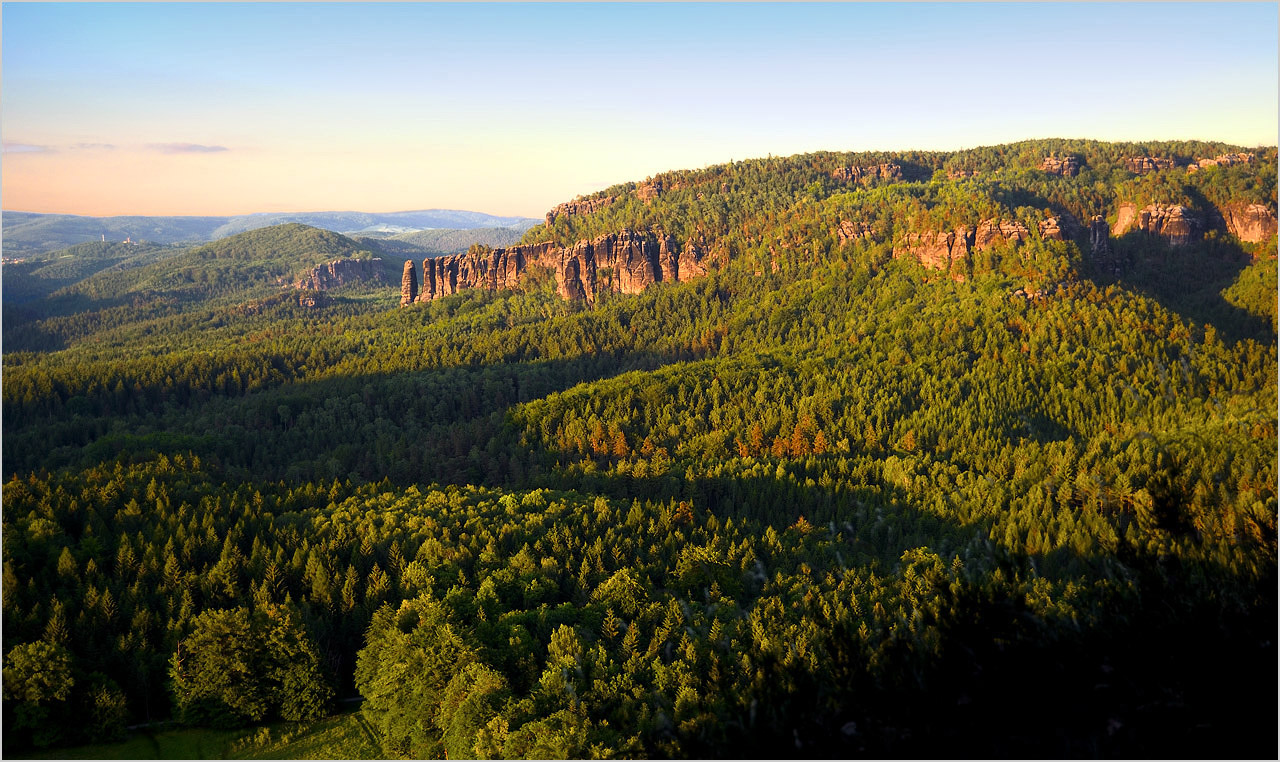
(156,108)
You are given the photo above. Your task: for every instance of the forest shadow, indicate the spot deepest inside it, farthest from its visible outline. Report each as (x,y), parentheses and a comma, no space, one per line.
(1188,279)
(23,323)
(1008,682)
(22,284)
(443,424)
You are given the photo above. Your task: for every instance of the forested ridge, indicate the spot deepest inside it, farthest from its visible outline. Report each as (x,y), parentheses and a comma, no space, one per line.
(826,500)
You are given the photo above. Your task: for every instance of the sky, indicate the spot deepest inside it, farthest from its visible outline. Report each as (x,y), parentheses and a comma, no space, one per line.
(229,108)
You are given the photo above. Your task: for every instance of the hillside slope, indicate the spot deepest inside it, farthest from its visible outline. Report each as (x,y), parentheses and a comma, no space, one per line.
(259,269)
(1035,211)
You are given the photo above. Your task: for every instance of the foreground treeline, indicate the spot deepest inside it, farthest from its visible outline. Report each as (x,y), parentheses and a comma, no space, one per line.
(841,506)
(489,623)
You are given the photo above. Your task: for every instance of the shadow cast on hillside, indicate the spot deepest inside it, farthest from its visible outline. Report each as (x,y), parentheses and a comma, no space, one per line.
(445,424)
(1188,279)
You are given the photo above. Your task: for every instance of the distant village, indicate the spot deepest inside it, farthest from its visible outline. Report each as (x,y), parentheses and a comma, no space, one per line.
(19,260)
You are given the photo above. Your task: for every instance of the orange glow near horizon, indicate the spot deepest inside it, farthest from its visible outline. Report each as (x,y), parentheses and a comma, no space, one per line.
(217,109)
(137,182)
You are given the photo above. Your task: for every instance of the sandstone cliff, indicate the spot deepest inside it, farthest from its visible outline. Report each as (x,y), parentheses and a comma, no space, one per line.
(1225,160)
(1101,251)
(408,284)
(1141,165)
(848,231)
(950,250)
(579,206)
(1175,223)
(339,272)
(1058,228)
(1064,167)
(627,262)
(649,190)
(1253,223)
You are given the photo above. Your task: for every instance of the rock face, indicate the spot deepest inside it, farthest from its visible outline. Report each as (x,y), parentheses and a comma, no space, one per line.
(1099,237)
(995,232)
(579,206)
(936,250)
(313,300)
(1253,223)
(1052,228)
(650,190)
(1179,225)
(1175,223)
(408,284)
(1141,165)
(848,231)
(1100,250)
(1124,219)
(1065,167)
(950,251)
(1225,160)
(627,262)
(339,272)
(857,174)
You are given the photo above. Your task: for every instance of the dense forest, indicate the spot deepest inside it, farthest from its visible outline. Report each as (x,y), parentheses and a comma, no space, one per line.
(827,500)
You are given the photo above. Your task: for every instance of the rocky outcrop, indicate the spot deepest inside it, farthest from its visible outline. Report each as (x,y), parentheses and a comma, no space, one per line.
(1225,160)
(1099,237)
(1056,228)
(627,262)
(1252,223)
(408,284)
(936,250)
(1141,165)
(950,251)
(848,231)
(1063,167)
(1173,222)
(1100,250)
(576,207)
(650,190)
(876,171)
(313,300)
(1124,219)
(340,272)
(695,260)
(991,233)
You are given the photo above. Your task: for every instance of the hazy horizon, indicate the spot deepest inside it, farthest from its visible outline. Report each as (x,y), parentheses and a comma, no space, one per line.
(281,211)
(216,110)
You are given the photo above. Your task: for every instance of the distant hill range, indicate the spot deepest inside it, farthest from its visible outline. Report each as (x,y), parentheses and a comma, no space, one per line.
(28,233)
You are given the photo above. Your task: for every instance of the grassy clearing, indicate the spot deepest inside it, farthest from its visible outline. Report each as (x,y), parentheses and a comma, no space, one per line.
(187,743)
(343,736)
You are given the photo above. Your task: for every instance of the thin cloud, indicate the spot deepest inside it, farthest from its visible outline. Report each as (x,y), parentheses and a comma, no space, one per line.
(186,148)
(94,147)
(26,148)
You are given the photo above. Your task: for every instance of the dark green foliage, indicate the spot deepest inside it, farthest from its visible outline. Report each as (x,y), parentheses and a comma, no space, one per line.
(237,667)
(37,686)
(412,657)
(473,699)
